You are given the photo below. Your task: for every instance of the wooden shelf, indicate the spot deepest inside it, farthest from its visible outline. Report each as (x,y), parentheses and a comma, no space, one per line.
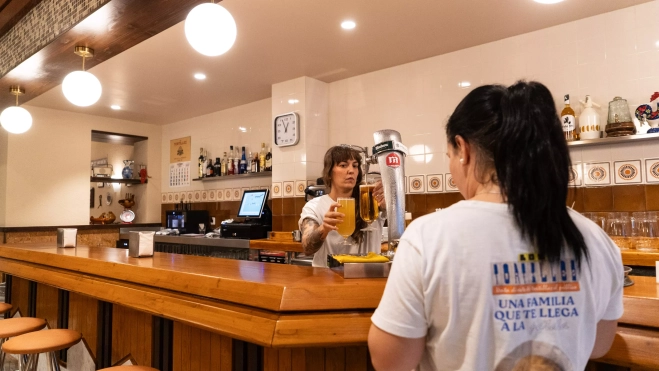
(614,140)
(640,258)
(238,176)
(98,179)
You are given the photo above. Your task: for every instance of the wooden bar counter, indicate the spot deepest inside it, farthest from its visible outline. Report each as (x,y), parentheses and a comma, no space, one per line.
(182,312)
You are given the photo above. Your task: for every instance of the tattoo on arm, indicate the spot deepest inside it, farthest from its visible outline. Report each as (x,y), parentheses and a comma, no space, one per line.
(312,238)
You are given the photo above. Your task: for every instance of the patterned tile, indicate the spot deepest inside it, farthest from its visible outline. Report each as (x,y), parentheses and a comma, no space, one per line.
(197,196)
(652,170)
(228,194)
(170,198)
(236,194)
(300,185)
(628,172)
(576,177)
(189,197)
(434,183)
(164,198)
(598,173)
(177,197)
(242,191)
(289,190)
(184,196)
(204,196)
(220,195)
(417,184)
(450,185)
(211,195)
(276,190)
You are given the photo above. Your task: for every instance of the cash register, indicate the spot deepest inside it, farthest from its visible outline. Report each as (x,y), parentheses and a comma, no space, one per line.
(257,214)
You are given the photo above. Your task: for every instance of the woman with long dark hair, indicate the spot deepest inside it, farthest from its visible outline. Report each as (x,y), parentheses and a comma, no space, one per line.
(320,217)
(509,278)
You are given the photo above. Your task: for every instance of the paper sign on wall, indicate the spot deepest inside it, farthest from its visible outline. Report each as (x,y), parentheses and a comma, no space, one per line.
(179,174)
(179,150)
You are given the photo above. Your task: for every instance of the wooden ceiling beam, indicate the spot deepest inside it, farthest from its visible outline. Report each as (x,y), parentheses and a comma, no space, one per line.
(122,24)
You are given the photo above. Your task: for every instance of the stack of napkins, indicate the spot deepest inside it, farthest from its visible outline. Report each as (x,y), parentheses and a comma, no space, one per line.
(140,244)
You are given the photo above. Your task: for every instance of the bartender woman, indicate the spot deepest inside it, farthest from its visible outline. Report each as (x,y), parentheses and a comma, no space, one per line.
(342,173)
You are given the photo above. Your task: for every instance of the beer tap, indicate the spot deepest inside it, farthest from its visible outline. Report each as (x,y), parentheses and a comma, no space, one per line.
(367,159)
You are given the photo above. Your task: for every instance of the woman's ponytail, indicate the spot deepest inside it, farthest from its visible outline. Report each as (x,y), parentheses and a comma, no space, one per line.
(519,137)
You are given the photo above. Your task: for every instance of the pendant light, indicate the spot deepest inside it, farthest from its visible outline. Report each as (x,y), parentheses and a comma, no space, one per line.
(210,29)
(81,87)
(16,120)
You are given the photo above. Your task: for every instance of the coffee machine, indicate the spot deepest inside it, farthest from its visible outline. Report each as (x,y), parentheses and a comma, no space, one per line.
(186,221)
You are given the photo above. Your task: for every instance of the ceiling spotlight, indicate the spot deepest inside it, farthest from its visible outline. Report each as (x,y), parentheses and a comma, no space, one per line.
(200,76)
(548,1)
(115,107)
(210,29)
(293,101)
(16,120)
(348,25)
(244,130)
(464,84)
(81,87)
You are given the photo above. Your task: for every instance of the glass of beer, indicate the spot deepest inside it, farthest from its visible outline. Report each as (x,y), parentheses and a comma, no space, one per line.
(368,206)
(347,227)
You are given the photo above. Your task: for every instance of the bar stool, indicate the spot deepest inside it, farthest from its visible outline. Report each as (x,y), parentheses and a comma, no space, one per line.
(28,347)
(5,307)
(17,326)
(128,368)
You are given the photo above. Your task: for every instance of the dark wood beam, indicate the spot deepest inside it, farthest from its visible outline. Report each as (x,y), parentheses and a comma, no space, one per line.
(129,22)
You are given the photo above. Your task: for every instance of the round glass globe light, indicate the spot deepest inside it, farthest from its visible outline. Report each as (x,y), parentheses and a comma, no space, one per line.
(210,29)
(16,120)
(82,88)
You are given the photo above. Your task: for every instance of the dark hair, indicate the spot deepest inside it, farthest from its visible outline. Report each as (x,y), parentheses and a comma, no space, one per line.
(333,157)
(518,139)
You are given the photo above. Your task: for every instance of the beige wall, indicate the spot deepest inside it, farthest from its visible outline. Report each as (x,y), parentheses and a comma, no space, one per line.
(215,132)
(4,137)
(49,166)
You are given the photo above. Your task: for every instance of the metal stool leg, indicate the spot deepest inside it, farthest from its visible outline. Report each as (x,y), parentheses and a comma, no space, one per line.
(2,355)
(28,362)
(53,365)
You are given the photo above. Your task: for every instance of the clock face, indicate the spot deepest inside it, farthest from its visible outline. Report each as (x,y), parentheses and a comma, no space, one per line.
(287,130)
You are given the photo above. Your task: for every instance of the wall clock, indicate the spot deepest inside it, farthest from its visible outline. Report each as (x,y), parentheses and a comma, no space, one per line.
(287,129)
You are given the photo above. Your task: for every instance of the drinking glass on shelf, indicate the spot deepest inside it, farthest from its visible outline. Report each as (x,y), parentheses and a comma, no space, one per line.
(347,227)
(619,229)
(646,231)
(202,228)
(368,205)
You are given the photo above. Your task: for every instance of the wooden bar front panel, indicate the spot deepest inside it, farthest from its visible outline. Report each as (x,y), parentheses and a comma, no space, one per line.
(316,359)
(47,301)
(131,335)
(197,349)
(19,296)
(83,317)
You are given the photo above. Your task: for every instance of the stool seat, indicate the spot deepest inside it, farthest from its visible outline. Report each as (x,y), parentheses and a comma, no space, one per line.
(18,326)
(129,368)
(4,307)
(42,341)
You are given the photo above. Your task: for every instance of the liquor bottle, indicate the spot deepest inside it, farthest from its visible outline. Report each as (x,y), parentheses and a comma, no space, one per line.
(243,162)
(201,166)
(255,163)
(251,163)
(223,170)
(262,158)
(568,121)
(217,167)
(209,169)
(268,160)
(236,161)
(230,168)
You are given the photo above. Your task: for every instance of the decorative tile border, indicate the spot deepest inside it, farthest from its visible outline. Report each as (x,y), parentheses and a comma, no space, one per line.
(276,190)
(598,173)
(450,185)
(300,185)
(289,189)
(576,175)
(228,194)
(628,172)
(219,195)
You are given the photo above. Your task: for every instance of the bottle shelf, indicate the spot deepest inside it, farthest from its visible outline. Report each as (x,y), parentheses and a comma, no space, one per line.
(623,139)
(236,176)
(100,179)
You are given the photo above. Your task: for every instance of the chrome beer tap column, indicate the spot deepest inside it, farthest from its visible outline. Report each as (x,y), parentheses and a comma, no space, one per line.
(390,154)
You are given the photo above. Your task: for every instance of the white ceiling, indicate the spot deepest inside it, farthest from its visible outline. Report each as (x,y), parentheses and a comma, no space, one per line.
(286,39)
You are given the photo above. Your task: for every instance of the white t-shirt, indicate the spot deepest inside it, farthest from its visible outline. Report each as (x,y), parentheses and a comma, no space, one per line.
(463,278)
(316,210)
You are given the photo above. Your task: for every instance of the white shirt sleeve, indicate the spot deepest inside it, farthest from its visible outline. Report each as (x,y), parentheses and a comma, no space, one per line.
(614,308)
(401,309)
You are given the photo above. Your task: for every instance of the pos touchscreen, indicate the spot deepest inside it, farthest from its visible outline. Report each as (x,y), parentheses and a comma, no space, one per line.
(252,203)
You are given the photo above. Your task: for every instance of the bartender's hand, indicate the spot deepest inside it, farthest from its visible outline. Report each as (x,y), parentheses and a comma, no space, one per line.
(332,218)
(378,193)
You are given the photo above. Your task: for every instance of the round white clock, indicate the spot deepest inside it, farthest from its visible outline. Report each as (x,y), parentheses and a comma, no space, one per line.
(287,129)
